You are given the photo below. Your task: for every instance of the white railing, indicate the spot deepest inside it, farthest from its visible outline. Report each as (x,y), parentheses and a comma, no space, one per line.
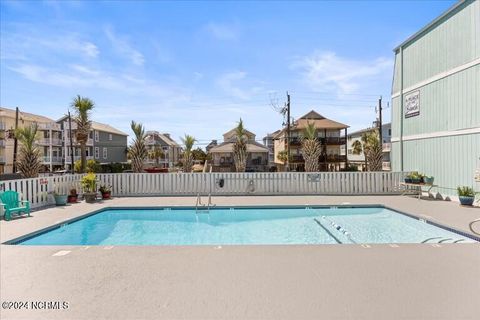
(75,142)
(68,159)
(49,126)
(38,190)
(387,146)
(261,183)
(46,141)
(47,159)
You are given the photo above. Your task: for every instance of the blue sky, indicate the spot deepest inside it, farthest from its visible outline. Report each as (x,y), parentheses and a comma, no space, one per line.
(197,67)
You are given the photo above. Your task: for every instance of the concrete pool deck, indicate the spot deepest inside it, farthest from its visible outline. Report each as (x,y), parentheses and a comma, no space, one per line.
(405,281)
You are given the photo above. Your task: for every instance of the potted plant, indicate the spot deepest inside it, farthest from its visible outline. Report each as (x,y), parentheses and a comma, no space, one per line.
(106,191)
(89,185)
(428,180)
(413,177)
(59,195)
(408,178)
(466,195)
(73,196)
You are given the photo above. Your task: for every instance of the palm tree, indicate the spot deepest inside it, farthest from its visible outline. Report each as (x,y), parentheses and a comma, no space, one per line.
(282,156)
(311,148)
(240,147)
(156,153)
(357,147)
(372,149)
(29,160)
(188,142)
(83,106)
(138,151)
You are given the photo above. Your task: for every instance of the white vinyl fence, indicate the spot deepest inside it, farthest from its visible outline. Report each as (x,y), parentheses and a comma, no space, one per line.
(40,190)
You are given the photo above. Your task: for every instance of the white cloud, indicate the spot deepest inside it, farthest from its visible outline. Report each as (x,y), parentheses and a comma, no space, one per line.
(222,31)
(124,48)
(90,49)
(325,71)
(227,83)
(79,76)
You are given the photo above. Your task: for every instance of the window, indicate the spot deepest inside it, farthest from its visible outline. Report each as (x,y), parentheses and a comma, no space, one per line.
(110,137)
(389,132)
(97,136)
(105,153)
(97,152)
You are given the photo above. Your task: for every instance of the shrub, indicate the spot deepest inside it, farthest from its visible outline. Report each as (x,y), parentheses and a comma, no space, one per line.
(465,192)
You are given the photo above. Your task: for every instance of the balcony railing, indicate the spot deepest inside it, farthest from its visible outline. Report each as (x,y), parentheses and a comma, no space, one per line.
(387,147)
(296,141)
(49,126)
(46,141)
(68,159)
(386,166)
(75,142)
(335,140)
(258,162)
(66,126)
(47,159)
(328,158)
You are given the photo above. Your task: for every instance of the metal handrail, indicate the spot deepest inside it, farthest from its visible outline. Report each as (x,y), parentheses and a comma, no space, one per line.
(471,226)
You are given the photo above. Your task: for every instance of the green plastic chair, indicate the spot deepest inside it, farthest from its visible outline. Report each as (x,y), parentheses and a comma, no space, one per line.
(12,205)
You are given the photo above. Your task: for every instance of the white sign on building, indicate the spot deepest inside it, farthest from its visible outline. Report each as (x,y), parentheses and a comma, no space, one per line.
(412,104)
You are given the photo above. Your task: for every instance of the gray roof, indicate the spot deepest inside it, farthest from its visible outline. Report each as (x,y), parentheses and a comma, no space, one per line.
(432,24)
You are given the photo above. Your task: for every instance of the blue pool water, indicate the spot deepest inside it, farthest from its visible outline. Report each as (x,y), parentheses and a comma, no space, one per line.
(245,226)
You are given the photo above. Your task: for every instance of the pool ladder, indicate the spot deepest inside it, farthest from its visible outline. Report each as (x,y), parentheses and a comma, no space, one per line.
(199,205)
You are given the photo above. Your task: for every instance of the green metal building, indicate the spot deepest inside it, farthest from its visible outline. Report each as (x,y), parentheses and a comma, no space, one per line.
(436,100)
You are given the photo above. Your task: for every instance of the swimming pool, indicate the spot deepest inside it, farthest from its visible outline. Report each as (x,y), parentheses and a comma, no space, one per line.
(245,226)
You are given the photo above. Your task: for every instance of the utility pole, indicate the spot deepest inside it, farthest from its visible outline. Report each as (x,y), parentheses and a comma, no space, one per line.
(15,142)
(288,132)
(380,121)
(71,142)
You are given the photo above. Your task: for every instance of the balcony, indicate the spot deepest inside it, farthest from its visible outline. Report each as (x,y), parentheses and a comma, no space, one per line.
(296,158)
(68,159)
(46,142)
(386,166)
(258,162)
(295,141)
(53,160)
(66,126)
(49,126)
(386,147)
(333,158)
(67,142)
(334,140)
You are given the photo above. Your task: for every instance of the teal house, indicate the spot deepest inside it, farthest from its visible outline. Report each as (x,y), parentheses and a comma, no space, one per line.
(436,100)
